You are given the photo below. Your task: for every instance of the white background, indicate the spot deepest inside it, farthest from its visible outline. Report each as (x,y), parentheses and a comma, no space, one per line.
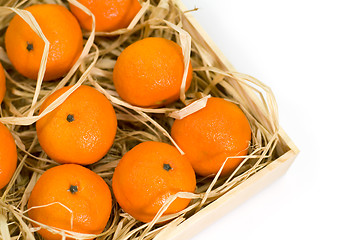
(308,52)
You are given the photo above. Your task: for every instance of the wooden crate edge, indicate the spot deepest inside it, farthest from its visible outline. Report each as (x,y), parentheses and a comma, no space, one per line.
(245,190)
(230,200)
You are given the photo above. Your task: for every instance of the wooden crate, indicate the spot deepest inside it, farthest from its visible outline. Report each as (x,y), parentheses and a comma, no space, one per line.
(252,185)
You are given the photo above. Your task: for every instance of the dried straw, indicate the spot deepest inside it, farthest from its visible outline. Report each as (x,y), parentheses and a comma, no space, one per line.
(19,111)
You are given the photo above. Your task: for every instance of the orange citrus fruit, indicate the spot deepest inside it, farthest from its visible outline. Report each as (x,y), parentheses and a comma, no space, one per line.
(109,15)
(25,48)
(211,135)
(2,83)
(81,130)
(70,197)
(8,156)
(147,175)
(149,72)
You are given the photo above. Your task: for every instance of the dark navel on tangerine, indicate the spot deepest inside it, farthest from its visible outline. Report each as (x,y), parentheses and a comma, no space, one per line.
(29,46)
(73,189)
(167,167)
(70,118)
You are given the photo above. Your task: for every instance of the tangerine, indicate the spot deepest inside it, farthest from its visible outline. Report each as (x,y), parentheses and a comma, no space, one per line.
(70,197)
(147,175)
(2,83)
(8,156)
(25,48)
(211,135)
(81,130)
(109,15)
(149,72)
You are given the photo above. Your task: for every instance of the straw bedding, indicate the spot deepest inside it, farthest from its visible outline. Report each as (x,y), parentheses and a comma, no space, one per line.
(19,111)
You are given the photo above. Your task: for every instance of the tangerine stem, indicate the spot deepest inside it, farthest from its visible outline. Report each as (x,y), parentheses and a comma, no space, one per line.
(73,189)
(29,46)
(70,118)
(167,167)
